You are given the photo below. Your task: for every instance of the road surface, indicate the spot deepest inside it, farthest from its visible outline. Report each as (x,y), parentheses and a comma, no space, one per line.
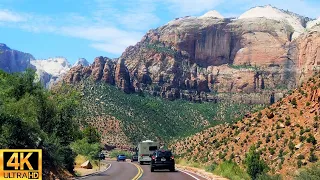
(134,171)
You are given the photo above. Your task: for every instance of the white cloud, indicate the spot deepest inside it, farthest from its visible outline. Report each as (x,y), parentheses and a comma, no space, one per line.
(108,39)
(9,16)
(107,47)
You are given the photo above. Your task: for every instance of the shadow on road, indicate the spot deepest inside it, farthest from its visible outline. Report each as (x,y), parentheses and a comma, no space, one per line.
(163,171)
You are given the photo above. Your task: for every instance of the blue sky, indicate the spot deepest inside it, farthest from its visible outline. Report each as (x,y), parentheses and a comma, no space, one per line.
(91,28)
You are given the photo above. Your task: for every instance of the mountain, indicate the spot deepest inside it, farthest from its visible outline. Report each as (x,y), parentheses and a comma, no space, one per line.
(81,61)
(297,22)
(13,60)
(212,14)
(286,134)
(50,70)
(254,59)
(313,23)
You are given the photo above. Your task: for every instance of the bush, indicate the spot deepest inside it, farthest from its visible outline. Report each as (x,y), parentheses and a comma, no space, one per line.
(299,163)
(294,101)
(231,170)
(287,123)
(313,157)
(312,139)
(211,167)
(83,147)
(255,166)
(269,177)
(312,173)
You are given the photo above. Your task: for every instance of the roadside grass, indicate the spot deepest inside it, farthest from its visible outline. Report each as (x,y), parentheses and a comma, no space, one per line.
(226,169)
(231,170)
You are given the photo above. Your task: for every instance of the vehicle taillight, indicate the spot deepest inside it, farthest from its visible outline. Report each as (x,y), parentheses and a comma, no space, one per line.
(141,155)
(172,157)
(153,157)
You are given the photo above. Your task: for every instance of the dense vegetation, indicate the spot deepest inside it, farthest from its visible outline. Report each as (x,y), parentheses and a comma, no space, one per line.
(32,117)
(146,117)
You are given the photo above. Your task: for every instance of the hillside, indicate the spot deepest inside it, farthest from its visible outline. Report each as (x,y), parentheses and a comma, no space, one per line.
(124,119)
(286,133)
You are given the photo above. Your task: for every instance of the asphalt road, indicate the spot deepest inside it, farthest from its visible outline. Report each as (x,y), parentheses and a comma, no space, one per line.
(133,171)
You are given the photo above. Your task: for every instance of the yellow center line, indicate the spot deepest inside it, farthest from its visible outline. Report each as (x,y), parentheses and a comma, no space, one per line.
(140,172)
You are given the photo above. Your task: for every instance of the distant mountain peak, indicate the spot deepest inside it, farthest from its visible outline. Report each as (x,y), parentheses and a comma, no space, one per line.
(4,46)
(54,66)
(212,14)
(81,61)
(297,21)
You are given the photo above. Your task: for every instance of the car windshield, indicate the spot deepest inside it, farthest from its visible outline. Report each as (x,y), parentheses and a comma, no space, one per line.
(164,154)
(122,155)
(153,148)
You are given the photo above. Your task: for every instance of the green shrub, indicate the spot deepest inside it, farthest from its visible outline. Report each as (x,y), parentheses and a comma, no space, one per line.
(231,170)
(311,173)
(294,101)
(299,163)
(313,157)
(211,167)
(255,166)
(287,123)
(311,139)
(83,147)
(269,177)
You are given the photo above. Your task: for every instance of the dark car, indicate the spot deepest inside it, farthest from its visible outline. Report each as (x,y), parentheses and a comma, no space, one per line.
(162,159)
(121,157)
(134,158)
(102,156)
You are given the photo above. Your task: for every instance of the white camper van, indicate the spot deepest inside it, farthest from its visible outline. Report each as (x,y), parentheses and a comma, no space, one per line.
(145,149)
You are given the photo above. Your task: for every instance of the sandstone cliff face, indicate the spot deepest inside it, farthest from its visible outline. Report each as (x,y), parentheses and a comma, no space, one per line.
(308,53)
(105,70)
(12,60)
(192,57)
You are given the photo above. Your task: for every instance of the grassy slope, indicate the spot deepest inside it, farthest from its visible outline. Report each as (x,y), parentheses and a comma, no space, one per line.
(151,117)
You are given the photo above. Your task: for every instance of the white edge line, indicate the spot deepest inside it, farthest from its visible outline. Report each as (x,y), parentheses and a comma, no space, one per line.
(94,173)
(189,174)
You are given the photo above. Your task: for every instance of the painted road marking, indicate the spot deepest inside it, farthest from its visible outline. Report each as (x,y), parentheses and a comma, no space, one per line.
(189,174)
(140,172)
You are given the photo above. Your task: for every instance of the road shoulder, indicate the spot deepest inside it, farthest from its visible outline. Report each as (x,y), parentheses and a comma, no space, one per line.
(92,172)
(199,172)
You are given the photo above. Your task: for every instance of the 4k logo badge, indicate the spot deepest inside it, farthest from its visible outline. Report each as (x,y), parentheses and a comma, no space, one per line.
(18,164)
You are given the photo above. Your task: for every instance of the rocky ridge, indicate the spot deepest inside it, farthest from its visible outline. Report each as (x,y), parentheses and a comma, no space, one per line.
(12,60)
(194,58)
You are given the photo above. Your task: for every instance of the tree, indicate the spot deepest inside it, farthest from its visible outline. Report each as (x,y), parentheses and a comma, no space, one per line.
(33,117)
(92,134)
(255,166)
